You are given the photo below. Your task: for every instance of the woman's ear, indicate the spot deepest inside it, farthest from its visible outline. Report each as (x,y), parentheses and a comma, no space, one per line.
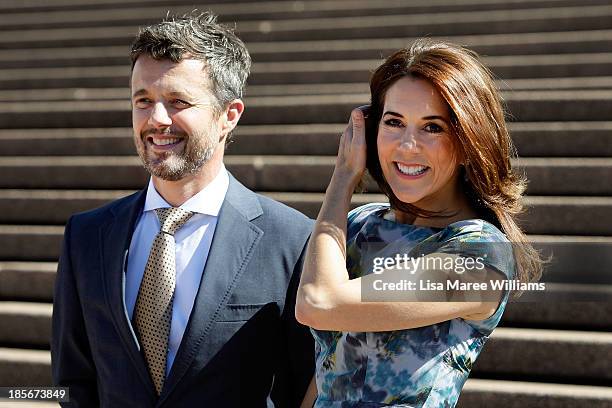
(230,117)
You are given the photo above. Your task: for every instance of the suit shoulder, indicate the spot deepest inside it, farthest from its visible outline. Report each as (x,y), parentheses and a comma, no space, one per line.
(285,217)
(100,214)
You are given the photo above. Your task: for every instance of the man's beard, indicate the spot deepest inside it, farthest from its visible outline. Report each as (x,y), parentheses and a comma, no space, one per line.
(172,166)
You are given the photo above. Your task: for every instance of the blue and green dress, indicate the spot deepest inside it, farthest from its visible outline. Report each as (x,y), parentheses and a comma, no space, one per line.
(421,367)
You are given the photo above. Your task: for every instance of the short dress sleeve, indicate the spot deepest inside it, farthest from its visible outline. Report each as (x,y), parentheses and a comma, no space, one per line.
(479,238)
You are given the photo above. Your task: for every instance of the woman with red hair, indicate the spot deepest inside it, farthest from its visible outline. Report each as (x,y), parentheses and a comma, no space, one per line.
(435,140)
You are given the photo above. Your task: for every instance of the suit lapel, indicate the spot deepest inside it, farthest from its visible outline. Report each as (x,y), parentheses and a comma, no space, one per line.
(115,239)
(233,242)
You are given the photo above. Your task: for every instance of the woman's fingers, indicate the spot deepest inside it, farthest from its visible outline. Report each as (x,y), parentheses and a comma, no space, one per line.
(348,132)
(358,128)
(344,149)
(358,143)
(346,139)
(351,158)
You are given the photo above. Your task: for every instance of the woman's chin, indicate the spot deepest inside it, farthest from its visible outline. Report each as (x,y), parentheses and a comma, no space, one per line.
(411,198)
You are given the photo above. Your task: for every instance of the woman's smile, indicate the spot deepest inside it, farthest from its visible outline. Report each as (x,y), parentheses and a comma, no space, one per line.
(411,171)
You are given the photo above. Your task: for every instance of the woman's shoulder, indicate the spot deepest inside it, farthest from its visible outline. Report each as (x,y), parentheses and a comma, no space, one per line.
(474,229)
(479,238)
(361,213)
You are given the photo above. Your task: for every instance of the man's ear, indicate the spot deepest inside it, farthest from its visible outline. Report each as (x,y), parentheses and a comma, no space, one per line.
(230,117)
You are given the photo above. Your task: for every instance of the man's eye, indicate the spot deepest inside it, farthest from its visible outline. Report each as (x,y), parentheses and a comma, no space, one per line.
(393,122)
(142,103)
(433,128)
(179,103)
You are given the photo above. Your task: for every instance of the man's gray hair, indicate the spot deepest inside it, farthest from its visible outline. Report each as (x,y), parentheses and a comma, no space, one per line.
(198,36)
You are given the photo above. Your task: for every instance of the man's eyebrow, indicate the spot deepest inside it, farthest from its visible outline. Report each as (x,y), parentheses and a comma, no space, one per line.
(180,94)
(175,94)
(139,92)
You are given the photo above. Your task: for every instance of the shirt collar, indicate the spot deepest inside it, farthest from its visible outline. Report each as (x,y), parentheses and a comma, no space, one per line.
(207,201)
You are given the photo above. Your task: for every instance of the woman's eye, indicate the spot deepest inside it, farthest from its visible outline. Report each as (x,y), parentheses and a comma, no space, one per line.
(393,122)
(433,128)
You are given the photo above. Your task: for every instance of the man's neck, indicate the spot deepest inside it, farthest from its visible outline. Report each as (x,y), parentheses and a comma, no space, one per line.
(177,192)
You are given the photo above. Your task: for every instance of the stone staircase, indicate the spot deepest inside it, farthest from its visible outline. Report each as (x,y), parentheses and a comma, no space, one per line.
(66,147)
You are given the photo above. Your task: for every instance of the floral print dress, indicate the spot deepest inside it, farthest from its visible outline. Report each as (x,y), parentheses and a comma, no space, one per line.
(424,367)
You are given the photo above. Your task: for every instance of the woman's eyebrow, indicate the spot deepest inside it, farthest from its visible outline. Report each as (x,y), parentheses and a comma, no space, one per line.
(434,117)
(393,114)
(431,117)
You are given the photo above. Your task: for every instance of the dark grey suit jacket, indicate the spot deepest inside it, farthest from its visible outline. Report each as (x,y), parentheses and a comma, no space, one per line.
(242,346)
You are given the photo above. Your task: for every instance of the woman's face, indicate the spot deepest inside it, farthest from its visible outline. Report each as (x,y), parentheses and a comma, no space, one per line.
(415,146)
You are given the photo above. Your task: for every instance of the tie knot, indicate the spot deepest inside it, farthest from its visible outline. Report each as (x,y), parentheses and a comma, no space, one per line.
(171,219)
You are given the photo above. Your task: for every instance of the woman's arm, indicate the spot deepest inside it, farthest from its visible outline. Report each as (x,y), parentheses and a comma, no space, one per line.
(327,299)
(311,395)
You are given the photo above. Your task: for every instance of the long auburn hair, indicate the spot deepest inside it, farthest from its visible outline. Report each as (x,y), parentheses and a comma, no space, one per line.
(479,127)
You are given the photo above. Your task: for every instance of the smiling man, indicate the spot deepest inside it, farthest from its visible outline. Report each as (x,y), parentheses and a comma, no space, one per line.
(183,293)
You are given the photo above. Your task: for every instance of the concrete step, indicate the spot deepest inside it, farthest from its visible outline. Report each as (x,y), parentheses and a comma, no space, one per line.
(543,139)
(523,106)
(567,139)
(18,6)
(27,281)
(395,25)
(22,367)
(567,215)
(575,259)
(547,176)
(308,72)
(449,23)
(271,10)
(544,214)
(565,42)
(569,292)
(38,243)
(588,315)
(480,393)
(487,44)
(505,67)
(25,323)
(508,86)
(51,206)
(541,354)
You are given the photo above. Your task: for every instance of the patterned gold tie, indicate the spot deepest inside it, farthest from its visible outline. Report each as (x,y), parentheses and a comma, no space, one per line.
(153,311)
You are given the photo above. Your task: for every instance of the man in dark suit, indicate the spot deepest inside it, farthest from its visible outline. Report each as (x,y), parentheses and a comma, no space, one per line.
(182,294)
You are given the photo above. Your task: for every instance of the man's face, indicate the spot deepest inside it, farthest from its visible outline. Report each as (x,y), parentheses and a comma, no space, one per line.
(176,128)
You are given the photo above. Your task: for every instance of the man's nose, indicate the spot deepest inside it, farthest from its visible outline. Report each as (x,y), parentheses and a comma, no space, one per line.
(159,116)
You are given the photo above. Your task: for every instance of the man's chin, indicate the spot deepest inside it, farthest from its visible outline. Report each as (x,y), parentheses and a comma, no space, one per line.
(168,177)
(163,172)
(174,168)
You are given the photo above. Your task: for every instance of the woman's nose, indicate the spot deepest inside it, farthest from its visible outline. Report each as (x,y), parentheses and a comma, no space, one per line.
(409,140)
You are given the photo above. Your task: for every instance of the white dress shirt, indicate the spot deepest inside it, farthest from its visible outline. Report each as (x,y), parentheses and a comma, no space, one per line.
(193,242)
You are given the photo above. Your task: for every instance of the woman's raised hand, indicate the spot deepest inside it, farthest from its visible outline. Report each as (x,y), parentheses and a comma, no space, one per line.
(351,160)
